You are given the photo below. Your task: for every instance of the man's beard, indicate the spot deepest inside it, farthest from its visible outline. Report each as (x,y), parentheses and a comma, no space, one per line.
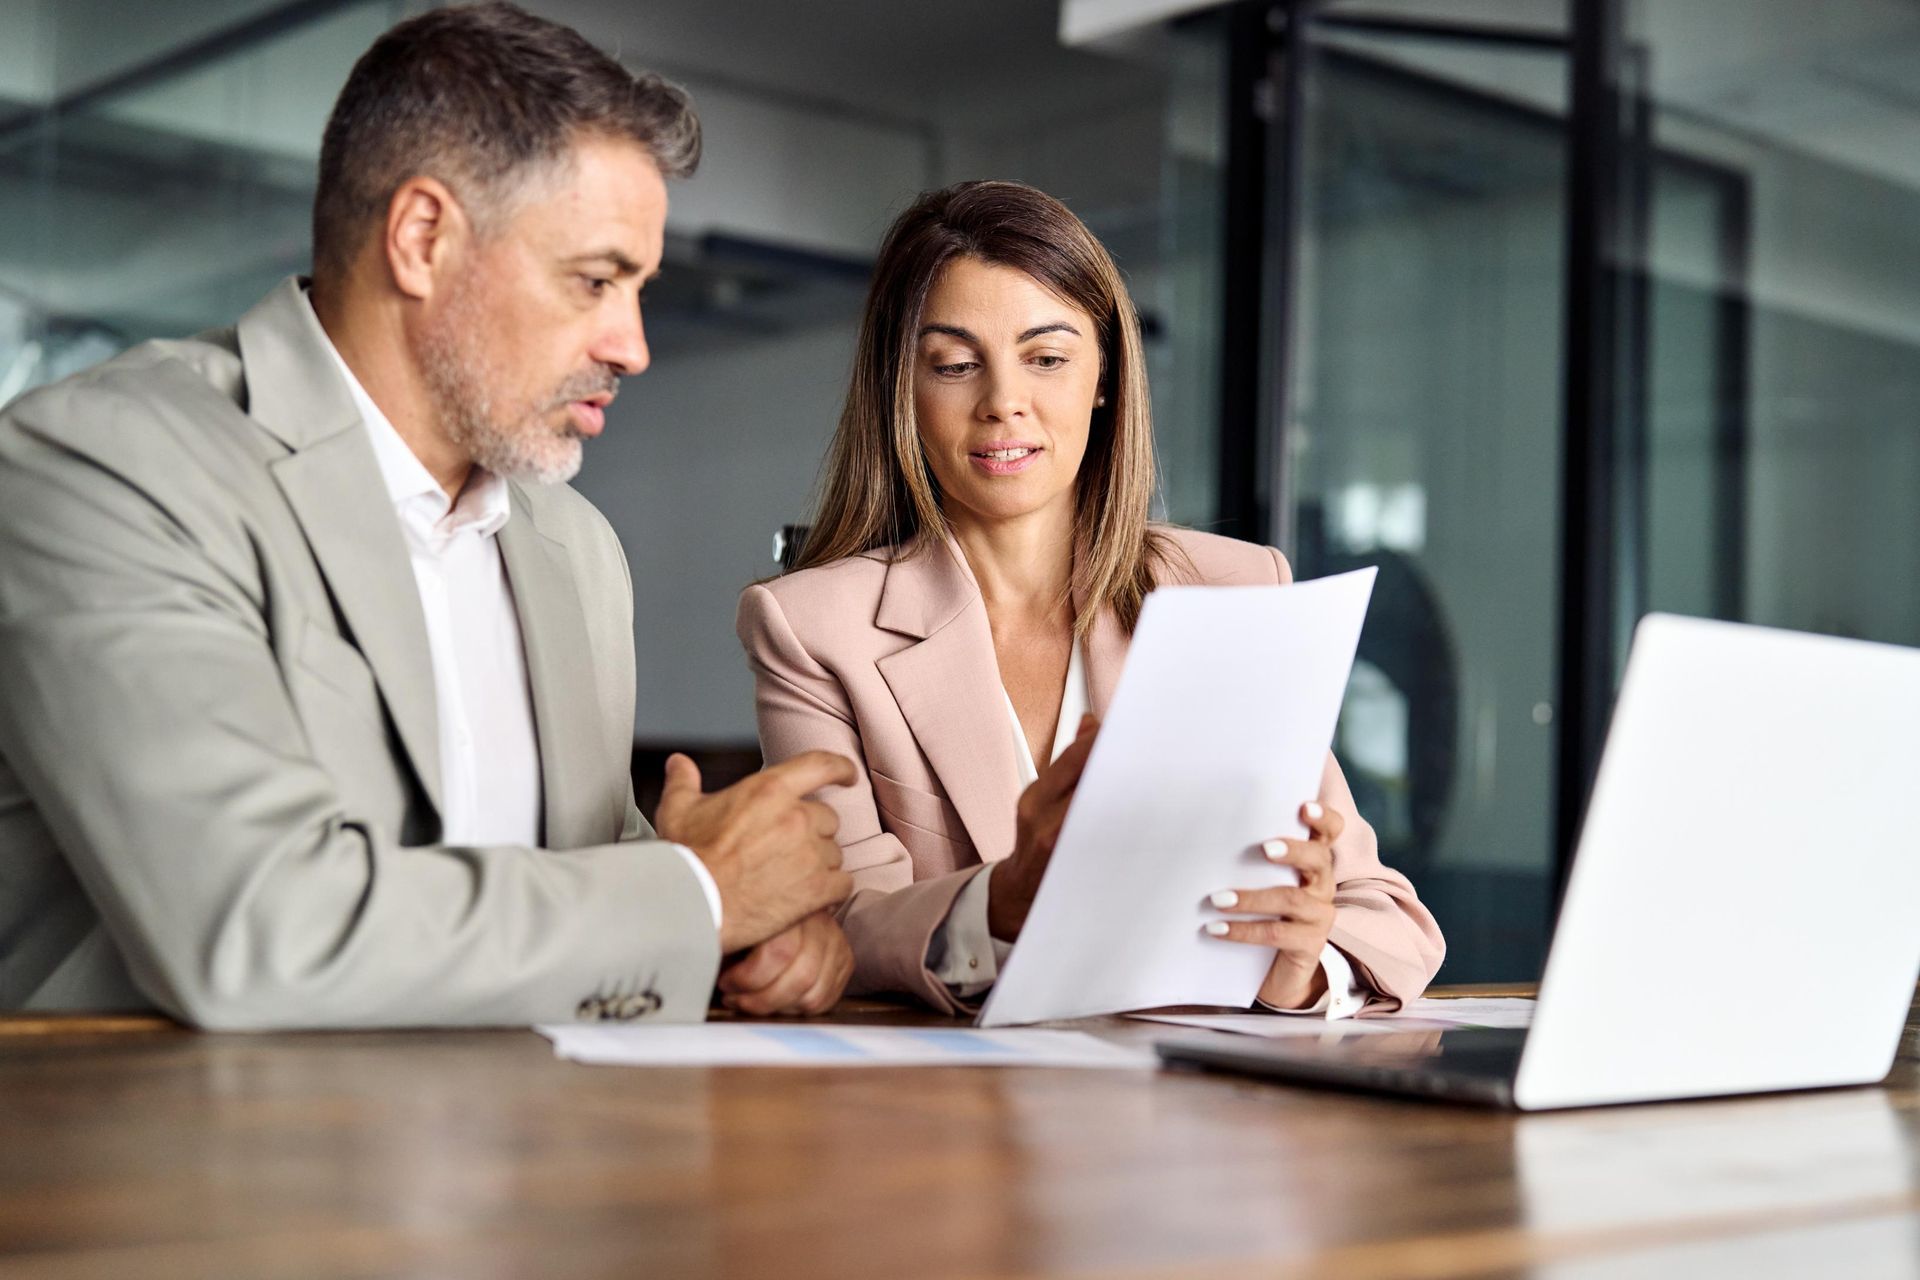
(514,441)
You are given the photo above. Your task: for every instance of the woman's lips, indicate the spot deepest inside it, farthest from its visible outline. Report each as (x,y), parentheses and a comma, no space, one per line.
(1005,459)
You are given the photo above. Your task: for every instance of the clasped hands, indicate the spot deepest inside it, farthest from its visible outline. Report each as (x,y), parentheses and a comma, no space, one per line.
(770,849)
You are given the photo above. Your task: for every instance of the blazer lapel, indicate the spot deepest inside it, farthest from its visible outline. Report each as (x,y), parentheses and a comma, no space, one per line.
(948,689)
(332,482)
(560,666)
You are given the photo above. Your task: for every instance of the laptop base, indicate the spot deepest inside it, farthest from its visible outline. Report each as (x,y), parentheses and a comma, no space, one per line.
(1471,1064)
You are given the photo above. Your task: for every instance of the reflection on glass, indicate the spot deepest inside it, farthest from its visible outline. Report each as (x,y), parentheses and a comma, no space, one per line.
(1782,388)
(1533,15)
(1425,424)
(1184,273)
(152,186)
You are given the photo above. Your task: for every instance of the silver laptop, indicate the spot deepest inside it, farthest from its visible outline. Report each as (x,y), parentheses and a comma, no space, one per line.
(1744,909)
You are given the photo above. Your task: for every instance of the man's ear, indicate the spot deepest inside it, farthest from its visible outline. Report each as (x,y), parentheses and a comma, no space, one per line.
(425,227)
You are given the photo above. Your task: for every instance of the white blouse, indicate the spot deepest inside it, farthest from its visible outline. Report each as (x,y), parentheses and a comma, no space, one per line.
(1073,705)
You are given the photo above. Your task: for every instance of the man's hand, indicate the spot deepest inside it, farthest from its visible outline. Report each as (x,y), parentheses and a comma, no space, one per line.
(769,848)
(801,971)
(1043,807)
(1294,921)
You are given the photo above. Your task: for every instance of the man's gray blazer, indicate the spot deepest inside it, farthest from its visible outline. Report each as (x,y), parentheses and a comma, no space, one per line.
(219,781)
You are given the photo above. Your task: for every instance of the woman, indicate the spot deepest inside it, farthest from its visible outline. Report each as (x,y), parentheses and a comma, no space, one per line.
(966,592)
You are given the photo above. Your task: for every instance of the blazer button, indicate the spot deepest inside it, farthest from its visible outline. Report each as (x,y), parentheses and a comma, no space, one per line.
(635,1006)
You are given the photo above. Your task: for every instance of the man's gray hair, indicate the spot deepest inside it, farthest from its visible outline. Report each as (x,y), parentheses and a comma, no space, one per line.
(482,97)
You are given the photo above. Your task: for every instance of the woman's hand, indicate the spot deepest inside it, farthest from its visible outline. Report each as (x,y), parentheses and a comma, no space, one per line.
(1043,807)
(1294,921)
(802,971)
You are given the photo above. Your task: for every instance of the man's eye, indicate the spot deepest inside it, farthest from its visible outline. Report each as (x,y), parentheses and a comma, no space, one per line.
(597,284)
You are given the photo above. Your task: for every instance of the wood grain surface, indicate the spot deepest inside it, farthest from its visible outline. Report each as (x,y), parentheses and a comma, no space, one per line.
(131,1148)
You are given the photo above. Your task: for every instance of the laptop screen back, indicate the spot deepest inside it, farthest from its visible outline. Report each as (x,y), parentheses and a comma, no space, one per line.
(1744,907)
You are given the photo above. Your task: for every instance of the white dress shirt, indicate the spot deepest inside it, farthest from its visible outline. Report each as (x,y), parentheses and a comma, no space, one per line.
(489,749)
(489,752)
(967,957)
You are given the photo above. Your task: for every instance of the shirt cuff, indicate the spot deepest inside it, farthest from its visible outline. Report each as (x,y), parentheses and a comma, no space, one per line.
(705,877)
(963,953)
(1343,997)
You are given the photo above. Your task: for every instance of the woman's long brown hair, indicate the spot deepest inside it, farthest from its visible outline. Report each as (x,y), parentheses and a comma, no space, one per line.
(877,491)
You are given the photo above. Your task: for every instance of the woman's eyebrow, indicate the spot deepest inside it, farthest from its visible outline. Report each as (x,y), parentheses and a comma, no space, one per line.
(965,335)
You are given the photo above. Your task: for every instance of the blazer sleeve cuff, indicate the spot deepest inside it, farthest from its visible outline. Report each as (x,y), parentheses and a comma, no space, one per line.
(705,877)
(647,942)
(964,954)
(1344,996)
(891,933)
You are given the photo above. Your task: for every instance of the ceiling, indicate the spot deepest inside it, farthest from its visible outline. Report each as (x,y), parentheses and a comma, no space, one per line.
(985,66)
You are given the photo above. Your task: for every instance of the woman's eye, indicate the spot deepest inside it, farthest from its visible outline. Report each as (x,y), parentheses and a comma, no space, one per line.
(953,370)
(1049,362)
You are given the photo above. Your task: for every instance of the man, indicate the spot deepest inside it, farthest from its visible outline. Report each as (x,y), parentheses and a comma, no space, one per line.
(316,682)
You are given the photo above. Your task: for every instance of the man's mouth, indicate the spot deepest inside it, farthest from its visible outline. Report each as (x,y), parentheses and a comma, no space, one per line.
(589,415)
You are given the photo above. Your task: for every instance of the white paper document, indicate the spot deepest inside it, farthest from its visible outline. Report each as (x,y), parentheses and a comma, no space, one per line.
(780,1044)
(1489,1011)
(1421,1015)
(1217,734)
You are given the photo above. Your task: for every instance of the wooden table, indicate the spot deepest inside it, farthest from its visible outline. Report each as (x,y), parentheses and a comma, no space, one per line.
(130,1148)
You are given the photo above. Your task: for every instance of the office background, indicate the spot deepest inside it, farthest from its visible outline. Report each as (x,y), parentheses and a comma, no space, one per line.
(1558,312)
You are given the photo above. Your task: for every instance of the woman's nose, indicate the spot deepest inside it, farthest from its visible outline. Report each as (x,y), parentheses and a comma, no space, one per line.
(1004,399)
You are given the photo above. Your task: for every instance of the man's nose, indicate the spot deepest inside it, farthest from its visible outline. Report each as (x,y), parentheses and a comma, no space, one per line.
(622,347)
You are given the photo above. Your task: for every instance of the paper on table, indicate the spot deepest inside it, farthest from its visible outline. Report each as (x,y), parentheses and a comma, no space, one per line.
(828,1045)
(1491,1011)
(1216,735)
(1421,1015)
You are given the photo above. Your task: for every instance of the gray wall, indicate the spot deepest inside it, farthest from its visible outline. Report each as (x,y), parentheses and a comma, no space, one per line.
(705,455)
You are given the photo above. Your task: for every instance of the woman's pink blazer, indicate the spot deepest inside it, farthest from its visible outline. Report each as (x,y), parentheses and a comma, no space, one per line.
(890,662)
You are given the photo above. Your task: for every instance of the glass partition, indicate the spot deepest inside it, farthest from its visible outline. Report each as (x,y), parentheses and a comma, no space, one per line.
(1782,406)
(1423,436)
(1765,308)
(159,179)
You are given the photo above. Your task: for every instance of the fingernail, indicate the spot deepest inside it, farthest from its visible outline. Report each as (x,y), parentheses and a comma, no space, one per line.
(1224,899)
(1217,928)
(1276,850)
(1314,811)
